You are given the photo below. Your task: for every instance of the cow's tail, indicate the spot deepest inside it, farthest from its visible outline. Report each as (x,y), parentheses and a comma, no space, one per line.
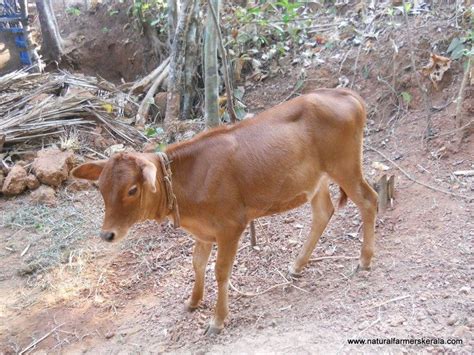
(342,198)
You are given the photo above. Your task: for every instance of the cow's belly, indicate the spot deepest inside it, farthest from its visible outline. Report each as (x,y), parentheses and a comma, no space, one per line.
(291,194)
(283,206)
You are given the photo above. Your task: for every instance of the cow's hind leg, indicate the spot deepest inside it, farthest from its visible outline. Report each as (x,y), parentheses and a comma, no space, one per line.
(322,210)
(200,257)
(365,198)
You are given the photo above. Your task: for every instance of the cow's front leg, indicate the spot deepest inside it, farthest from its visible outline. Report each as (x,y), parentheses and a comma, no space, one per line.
(226,251)
(200,257)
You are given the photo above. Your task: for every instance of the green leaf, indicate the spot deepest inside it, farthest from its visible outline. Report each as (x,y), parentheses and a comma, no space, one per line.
(407,7)
(454,43)
(151,132)
(406,96)
(74,11)
(458,52)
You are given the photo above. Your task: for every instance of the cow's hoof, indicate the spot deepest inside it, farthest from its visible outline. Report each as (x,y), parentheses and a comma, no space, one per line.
(362,266)
(189,307)
(293,273)
(357,269)
(212,330)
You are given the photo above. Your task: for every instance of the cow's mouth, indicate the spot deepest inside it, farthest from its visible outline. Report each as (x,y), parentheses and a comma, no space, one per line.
(107,236)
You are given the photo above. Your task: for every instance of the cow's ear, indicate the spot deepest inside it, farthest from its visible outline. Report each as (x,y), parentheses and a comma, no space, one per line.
(149,173)
(89,171)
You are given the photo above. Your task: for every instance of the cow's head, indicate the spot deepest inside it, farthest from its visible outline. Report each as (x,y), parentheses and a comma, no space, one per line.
(128,184)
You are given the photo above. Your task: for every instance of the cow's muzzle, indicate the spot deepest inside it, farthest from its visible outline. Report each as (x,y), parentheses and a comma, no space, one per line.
(107,236)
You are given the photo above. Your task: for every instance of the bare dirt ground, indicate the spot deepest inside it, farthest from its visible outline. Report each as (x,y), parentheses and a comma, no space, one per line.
(129,297)
(65,291)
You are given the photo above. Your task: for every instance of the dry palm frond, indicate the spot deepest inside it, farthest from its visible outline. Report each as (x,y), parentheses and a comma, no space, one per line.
(37,105)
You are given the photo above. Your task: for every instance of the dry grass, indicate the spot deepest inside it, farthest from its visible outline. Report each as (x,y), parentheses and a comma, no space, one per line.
(53,232)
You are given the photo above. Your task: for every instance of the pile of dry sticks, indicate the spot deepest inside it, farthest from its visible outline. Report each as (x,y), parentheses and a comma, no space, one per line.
(33,106)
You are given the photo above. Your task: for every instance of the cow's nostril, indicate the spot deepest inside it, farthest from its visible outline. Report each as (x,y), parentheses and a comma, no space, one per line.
(108,236)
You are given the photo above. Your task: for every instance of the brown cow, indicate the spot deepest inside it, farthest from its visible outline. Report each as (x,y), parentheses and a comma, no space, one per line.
(228,176)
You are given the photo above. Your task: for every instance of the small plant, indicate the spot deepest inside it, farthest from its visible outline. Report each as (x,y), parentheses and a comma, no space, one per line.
(73,11)
(406,96)
(152,132)
(459,46)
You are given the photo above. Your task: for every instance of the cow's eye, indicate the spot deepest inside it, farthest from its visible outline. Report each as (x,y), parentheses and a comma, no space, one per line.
(133,190)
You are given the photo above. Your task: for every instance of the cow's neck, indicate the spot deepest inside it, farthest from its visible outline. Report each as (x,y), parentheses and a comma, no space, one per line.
(188,181)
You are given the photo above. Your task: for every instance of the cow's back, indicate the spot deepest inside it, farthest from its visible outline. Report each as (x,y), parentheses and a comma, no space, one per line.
(273,162)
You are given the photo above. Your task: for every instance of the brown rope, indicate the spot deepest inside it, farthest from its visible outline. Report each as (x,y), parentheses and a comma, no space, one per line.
(170,196)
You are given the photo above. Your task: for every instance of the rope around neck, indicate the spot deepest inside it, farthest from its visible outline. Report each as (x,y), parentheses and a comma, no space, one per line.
(171,200)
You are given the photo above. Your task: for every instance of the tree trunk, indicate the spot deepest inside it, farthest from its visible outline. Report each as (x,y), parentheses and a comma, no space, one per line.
(177,62)
(52,47)
(172,18)
(226,68)
(191,63)
(211,75)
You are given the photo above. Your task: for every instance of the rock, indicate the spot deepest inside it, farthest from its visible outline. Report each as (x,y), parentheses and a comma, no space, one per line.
(79,185)
(464,290)
(21,163)
(32,182)
(452,320)
(15,182)
(396,321)
(461,331)
(44,195)
(52,166)
(2,177)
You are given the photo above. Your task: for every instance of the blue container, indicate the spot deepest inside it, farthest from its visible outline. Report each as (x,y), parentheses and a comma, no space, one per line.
(20,42)
(25,58)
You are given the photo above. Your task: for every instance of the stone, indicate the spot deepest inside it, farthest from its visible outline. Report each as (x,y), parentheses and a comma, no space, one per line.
(79,185)
(32,182)
(44,195)
(461,331)
(52,166)
(452,320)
(15,182)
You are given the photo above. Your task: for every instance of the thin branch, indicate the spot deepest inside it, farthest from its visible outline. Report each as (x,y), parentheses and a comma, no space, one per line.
(335,257)
(142,113)
(414,180)
(143,83)
(36,342)
(399,298)
(248,294)
(454,130)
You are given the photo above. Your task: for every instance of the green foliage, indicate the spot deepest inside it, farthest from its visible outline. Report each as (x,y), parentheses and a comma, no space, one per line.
(406,96)
(153,12)
(73,11)
(152,132)
(462,46)
(269,24)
